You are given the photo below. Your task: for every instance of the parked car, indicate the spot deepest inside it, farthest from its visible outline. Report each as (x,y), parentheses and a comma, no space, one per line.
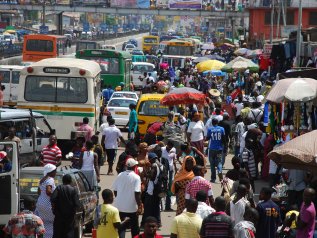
(119,109)
(29,180)
(125,94)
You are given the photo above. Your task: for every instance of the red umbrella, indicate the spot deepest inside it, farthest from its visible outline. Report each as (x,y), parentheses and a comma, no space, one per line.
(183,95)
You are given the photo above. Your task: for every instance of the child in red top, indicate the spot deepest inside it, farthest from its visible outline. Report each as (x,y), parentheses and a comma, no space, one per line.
(150,227)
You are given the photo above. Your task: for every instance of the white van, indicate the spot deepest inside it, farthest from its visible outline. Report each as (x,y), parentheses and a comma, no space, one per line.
(32,129)
(10,75)
(137,71)
(9,185)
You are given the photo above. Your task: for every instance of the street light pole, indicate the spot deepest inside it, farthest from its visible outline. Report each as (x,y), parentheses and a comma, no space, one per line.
(43,13)
(272,21)
(299,34)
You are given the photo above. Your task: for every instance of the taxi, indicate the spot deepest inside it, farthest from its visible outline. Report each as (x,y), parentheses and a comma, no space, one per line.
(150,110)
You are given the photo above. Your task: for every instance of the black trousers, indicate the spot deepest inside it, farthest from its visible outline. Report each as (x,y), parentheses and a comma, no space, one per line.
(152,207)
(133,224)
(63,227)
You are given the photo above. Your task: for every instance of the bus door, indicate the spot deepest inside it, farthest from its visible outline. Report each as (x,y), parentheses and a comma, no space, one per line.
(10,80)
(9,180)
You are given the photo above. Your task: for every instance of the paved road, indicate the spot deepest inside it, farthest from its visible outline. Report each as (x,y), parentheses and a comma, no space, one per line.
(107,180)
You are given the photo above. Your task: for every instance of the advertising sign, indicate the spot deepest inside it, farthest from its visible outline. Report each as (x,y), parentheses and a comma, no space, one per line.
(62,2)
(267,49)
(143,3)
(286,30)
(185,4)
(124,3)
(95,18)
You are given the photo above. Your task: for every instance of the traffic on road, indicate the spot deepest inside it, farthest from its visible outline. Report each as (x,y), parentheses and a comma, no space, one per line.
(168,134)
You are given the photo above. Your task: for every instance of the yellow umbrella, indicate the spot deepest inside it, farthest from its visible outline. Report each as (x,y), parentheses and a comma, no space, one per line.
(210,65)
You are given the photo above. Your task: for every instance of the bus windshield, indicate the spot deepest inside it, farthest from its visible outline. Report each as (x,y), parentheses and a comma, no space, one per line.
(39,45)
(107,65)
(56,89)
(179,50)
(86,46)
(150,40)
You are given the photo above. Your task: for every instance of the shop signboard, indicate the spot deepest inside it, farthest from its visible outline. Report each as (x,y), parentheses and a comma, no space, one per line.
(286,30)
(185,4)
(130,3)
(267,49)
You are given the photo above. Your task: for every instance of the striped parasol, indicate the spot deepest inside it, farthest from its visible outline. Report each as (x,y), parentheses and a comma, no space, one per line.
(299,153)
(184,95)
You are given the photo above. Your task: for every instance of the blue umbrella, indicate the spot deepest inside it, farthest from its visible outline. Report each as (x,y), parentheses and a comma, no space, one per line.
(214,73)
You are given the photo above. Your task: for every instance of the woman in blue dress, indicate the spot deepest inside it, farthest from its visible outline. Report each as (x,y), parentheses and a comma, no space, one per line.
(43,205)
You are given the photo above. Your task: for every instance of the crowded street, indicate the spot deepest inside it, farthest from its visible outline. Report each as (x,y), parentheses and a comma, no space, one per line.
(148,119)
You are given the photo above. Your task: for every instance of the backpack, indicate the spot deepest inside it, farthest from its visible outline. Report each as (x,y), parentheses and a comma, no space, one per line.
(161,187)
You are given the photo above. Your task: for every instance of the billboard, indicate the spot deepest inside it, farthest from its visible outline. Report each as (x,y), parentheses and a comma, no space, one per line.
(130,3)
(185,4)
(62,2)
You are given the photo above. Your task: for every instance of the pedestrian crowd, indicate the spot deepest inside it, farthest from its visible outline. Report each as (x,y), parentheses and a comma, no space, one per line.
(151,174)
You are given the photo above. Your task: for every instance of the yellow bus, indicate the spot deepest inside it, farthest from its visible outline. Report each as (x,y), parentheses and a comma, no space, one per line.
(179,47)
(148,42)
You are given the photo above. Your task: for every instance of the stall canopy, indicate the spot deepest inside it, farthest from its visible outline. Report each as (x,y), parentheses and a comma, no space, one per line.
(299,153)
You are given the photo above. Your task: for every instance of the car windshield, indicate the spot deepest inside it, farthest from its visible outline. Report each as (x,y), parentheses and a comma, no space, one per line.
(152,108)
(120,103)
(143,68)
(124,95)
(130,46)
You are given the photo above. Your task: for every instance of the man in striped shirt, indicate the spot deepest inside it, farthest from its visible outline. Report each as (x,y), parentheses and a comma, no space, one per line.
(249,161)
(217,224)
(51,154)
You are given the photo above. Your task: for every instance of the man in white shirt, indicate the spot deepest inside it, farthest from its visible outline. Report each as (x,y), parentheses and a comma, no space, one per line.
(169,154)
(203,210)
(127,189)
(109,141)
(238,204)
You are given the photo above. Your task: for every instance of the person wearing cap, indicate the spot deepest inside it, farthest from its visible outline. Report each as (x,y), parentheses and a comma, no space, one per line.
(51,154)
(25,219)
(5,163)
(43,205)
(152,201)
(127,190)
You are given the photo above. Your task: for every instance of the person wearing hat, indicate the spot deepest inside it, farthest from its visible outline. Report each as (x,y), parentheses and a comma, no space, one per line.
(152,201)
(5,163)
(43,205)
(127,190)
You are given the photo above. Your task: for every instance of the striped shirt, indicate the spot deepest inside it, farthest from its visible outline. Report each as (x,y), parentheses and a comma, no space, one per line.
(198,183)
(248,157)
(51,154)
(217,225)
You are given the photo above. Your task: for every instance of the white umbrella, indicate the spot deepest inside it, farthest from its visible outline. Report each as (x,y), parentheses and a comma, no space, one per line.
(300,91)
(293,89)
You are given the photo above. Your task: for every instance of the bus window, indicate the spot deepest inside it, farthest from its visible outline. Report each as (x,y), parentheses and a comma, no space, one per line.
(52,89)
(39,45)
(150,40)
(5,75)
(108,66)
(71,90)
(15,77)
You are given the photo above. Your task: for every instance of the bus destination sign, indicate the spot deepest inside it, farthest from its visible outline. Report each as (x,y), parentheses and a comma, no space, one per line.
(55,70)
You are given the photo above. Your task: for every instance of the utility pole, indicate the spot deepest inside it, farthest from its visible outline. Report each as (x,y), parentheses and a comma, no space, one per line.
(278,19)
(299,34)
(272,21)
(43,13)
